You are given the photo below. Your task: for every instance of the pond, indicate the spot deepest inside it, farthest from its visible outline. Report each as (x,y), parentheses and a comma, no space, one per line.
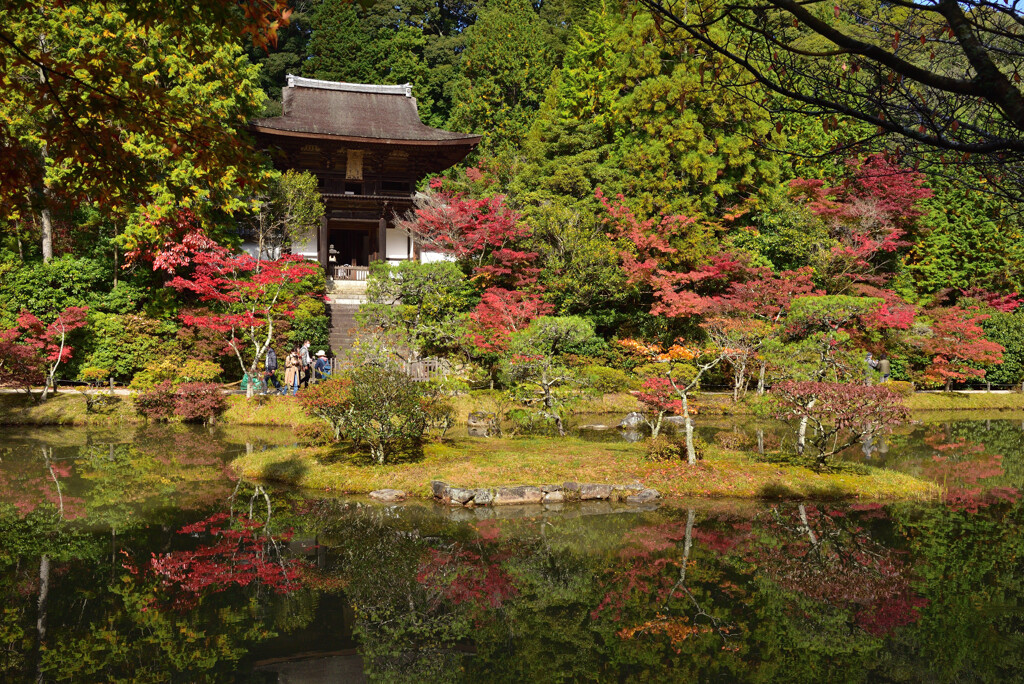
(139,557)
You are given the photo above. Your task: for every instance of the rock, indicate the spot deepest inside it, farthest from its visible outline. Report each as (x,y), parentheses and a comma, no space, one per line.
(551,488)
(594,427)
(440,489)
(632,421)
(460,496)
(595,491)
(621,492)
(557,496)
(518,495)
(483,424)
(675,421)
(571,486)
(483,497)
(643,496)
(387,494)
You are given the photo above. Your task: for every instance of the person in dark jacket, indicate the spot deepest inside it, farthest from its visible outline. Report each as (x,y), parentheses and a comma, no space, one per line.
(883,368)
(270,373)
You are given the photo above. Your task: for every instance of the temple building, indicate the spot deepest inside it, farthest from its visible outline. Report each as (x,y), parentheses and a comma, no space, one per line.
(368,149)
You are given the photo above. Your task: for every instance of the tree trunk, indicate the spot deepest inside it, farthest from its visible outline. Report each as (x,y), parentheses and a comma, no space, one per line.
(760,441)
(656,425)
(801,435)
(44,217)
(760,382)
(739,382)
(691,453)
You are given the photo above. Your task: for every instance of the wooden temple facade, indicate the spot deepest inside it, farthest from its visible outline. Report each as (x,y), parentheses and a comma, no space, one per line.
(368,149)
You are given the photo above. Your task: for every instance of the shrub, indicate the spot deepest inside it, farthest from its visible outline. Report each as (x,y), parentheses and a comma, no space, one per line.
(176,372)
(157,402)
(93,376)
(439,410)
(193,401)
(606,380)
(900,387)
(386,411)
(198,401)
(316,434)
(126,344)
(666,448)
(329,402)
(735,441)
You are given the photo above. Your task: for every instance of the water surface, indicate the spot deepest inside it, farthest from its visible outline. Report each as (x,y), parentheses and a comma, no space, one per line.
(138,557)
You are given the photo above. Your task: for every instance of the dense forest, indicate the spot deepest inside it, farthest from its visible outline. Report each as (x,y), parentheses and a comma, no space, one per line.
(632,184)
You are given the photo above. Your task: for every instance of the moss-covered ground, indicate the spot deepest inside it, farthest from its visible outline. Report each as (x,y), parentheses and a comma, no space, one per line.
(470,462)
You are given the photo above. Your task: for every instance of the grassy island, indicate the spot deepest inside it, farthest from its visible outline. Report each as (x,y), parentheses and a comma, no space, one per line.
(500,461)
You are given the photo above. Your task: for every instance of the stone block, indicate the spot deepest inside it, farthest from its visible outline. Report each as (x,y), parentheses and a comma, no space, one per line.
(595,491)
(440,489)
(643,496)
(387,495)
(551,488)
(482,497)
(518,495)
(460,496)
(557,496)
(571,486)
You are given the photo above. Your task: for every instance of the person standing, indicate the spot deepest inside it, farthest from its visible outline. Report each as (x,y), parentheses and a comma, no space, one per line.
(872,365)
(321,367)
(292,372)
(307,363)
(270,372)
(883,368)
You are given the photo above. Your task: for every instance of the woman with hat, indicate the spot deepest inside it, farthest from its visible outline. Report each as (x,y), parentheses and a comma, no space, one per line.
(322,366)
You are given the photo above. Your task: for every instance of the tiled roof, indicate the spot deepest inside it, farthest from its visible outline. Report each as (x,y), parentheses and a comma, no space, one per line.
(355,110)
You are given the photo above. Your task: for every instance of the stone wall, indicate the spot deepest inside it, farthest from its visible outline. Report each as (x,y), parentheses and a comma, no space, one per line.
(543,494)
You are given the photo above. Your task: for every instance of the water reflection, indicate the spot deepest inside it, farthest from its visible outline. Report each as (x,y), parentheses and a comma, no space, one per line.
(143,560)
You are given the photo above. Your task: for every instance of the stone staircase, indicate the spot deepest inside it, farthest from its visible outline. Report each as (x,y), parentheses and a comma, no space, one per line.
(345,298)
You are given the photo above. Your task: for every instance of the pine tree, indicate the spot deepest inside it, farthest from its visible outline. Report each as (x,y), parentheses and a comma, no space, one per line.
(340,46)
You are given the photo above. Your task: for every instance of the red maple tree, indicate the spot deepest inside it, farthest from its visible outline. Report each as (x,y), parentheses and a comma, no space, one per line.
(242,295)
(485,233)
(35,350)
(840,413)
(868,214)
(657,397)
(957,344)
(502,312)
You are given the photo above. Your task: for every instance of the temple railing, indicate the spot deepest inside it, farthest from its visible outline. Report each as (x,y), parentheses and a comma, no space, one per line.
(349,272)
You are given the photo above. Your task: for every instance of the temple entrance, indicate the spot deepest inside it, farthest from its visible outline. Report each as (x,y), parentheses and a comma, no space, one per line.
(352,246)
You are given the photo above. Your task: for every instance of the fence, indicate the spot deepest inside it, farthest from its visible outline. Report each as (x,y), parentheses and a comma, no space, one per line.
(349,272)
(423,370)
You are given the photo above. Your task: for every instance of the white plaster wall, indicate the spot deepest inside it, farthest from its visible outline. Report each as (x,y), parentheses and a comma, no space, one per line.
(251,248)
(431,257)
(306,246)
(397,244)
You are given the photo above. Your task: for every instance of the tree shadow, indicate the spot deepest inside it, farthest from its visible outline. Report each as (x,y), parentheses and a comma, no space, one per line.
(348,453)
(291,470)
